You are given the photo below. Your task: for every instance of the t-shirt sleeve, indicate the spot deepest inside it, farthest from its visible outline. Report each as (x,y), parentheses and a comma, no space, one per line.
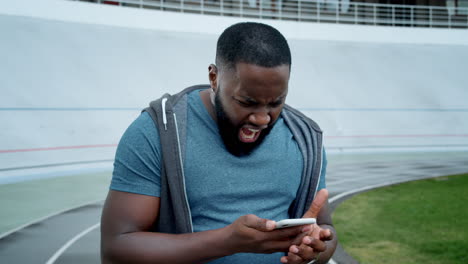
(322,183)
(137,165)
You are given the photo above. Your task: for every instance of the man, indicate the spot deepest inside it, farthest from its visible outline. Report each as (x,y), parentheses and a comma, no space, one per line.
(202,176)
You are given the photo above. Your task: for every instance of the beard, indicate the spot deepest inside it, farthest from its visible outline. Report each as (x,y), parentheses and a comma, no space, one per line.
(230,132)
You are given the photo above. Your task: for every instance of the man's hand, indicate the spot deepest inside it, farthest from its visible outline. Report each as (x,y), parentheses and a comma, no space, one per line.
(126,235)
(249,233)
(307,248)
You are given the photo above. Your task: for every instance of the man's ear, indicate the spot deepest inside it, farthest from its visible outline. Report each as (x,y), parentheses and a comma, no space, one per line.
(213,76)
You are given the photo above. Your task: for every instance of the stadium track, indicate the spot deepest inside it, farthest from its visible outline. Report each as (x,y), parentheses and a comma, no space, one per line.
(72,237)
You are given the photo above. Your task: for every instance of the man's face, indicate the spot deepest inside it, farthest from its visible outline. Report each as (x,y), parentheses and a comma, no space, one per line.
(248,101)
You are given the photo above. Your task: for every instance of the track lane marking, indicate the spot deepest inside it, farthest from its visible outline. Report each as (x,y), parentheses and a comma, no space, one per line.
(70,242)
(58,148)
(38,220)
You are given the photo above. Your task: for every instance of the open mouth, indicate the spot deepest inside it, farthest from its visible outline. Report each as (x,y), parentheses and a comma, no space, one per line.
(248,135)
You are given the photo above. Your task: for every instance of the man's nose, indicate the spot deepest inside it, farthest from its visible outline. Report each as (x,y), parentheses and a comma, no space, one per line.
(260,119)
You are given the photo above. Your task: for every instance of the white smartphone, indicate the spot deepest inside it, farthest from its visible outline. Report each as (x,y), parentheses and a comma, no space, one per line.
(295,222)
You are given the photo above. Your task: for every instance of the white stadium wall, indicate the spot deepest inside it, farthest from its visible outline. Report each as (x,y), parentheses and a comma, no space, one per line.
(74,75)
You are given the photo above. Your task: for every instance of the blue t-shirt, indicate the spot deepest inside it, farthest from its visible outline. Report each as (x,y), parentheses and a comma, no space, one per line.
(220,186)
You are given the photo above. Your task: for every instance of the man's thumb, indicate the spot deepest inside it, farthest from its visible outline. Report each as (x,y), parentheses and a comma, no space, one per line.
(317,204)
(258,223)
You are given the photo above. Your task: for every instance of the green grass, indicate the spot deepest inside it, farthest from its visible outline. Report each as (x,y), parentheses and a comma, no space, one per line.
(23,202)
(418,222)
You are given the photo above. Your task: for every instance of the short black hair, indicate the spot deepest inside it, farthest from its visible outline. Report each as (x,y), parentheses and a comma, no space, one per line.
(252,43)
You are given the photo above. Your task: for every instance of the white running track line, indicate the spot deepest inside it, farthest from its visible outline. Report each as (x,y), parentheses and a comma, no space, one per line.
(363,178)
(369,187)
(70,242)
(35,221)
(333,199)
(80,235)
(373,176)
(336,197)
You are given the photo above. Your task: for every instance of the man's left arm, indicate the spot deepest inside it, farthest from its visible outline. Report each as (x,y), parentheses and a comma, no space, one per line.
(320,244)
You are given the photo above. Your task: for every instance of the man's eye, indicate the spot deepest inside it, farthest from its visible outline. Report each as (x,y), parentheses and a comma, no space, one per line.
(276,104)
(244,103)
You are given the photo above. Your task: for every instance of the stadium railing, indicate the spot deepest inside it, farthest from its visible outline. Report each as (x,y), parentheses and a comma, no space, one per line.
(313,11)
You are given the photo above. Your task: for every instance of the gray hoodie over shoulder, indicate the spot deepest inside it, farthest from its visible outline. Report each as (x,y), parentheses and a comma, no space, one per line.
(169,113)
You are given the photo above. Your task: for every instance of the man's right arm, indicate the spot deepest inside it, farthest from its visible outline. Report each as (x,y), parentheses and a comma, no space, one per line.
(127,219)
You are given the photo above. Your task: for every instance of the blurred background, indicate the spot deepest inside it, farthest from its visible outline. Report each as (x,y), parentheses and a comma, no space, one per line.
(386,80)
